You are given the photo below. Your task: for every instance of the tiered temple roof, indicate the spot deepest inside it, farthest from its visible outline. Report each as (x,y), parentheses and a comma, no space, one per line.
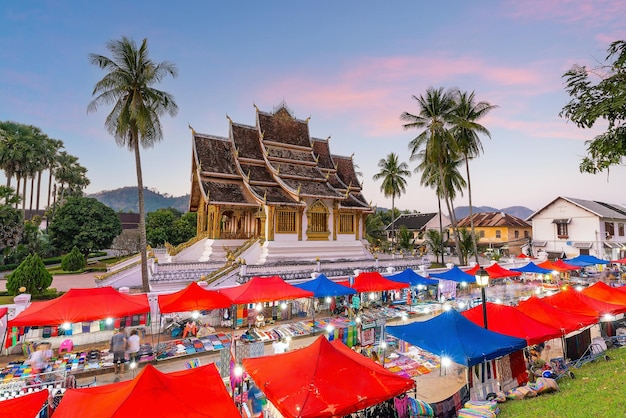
(275,162)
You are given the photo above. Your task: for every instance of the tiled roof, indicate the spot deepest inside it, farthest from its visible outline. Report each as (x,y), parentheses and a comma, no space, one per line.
(215,154)
(274,152)
(258,173)
(295,170)
(345,171)
(412,221)
(322,151)
(272,194)
(312,188)
(334,181)
(246,141)
(354,201)
(490,219)
(283,128)
(222,192)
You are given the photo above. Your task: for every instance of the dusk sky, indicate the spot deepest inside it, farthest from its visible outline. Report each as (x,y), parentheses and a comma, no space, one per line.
(352,66)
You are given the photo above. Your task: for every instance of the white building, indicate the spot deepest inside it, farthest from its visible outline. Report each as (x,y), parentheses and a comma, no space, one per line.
(568,227)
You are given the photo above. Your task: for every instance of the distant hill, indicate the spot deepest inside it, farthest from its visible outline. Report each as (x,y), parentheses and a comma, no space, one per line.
(521,212)
(125,200)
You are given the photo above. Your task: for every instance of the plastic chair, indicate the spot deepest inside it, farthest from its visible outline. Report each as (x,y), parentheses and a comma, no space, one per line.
(66,345)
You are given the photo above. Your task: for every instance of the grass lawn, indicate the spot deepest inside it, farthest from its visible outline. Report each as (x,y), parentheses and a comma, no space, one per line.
(598,390)
(6,300)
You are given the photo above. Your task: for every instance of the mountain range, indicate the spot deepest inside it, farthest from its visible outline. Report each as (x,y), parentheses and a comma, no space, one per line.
(125,200)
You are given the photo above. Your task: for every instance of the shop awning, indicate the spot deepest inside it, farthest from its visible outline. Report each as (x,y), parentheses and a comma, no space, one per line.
(584,245)
(264,289)
(562,221)
(193,298)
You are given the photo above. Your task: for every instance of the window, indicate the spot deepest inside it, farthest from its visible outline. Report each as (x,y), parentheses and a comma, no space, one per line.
(481,234)
(561,230)
(317,217)
(516,234)
(318,222)
(620,229)
(286,221)
(526,234)
(346,223)
(609,228)
(498,233)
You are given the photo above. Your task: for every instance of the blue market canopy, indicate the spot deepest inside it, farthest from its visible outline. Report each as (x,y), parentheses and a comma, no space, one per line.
(412,278)
(532,268)
(456,275)
(586,260)
(452,335)
(322,286)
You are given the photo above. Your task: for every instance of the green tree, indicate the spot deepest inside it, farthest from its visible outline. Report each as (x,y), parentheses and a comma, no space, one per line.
(137,106)
(74,260)
(435,242)
(159,227)
(393,174)
(184,228)
(405,238)
(467,243)
(30,274)
(85,223)
(11,220)
(603,98)
(374,226)
(466,130)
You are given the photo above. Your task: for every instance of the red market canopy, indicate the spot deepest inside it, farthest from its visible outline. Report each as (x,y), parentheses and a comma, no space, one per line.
(564,320)
(3,311)
(495,271)
(606,293)
(197,392)
(574,301)
(620,261)
(26,406)
(522,256)
(566,266)
(509,321)
(373,281)
(264,289)
(554,267)
(82,305)
(193,298)
(325,379)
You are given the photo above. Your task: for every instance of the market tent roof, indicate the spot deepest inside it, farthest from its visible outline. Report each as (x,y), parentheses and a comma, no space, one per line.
(620,261)
(81,305)
(411,277)
(553,267)
(455,274)
(562,264)
(509,321)
(373,281)
(495,271)
(564,320)
(532,268)
(522,256)
(324,379)
(322,286)
(606,293)
(3,311)
(193,298)
(451,334)
(26,406)
(264,289)
(197,392)
(586,260)
(574,301)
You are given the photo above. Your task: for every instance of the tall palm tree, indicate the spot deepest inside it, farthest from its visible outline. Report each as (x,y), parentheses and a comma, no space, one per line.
(466,130)
(435,119)
(393,174)
(55,147)
(137,106)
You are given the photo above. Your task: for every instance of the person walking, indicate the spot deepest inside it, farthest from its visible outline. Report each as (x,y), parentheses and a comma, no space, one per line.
(118,348)
(133,346)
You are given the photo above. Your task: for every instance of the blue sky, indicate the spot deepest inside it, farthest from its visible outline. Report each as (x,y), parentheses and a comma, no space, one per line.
(352,66)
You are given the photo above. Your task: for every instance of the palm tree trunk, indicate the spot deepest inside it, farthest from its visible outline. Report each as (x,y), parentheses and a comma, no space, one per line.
(38,188)
(471,210)
(49,187)
(455,231)
(18,179)
(393,223)
(24,198)
(441,231)
(145,281)
(32,189)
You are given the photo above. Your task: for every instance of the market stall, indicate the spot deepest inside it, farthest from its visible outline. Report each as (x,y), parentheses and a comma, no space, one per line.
(307,383)
(196,392)
(25,406)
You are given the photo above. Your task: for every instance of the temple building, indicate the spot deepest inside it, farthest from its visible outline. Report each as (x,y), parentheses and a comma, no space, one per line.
(278,191)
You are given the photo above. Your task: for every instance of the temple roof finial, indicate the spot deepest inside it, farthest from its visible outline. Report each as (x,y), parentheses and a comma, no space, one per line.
(193,132)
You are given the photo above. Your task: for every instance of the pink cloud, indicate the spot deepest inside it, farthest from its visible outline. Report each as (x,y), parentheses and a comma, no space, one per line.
(589,13)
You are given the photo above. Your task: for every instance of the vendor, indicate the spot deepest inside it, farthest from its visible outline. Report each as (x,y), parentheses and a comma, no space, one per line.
(190,329)
(39,358)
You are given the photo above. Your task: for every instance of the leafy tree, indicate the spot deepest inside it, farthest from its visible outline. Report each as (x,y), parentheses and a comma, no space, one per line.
(435,242)
(11,220)
(137,106)
(126,243)
(604,99)
(184,228)
(467,243)
(85,223)
(159,227)
(374,226)
(393,173)
(405,238)
(73,261)
(30,274)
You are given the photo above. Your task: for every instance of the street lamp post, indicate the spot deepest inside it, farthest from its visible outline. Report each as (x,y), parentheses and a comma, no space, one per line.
(482,278)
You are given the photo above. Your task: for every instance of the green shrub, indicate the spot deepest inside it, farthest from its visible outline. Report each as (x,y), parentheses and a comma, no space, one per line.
(73,261)
(31,274)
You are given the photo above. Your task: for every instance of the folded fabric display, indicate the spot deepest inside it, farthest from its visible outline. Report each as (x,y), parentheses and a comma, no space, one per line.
(486,409)
(544,385)
(521,392)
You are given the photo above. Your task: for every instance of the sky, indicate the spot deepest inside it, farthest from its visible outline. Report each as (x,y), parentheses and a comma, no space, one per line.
(351,66)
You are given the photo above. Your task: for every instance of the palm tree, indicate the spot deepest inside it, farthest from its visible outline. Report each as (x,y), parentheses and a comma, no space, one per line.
(137,106)
(53,146)
(435,119)
(466,131)
(393,174)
